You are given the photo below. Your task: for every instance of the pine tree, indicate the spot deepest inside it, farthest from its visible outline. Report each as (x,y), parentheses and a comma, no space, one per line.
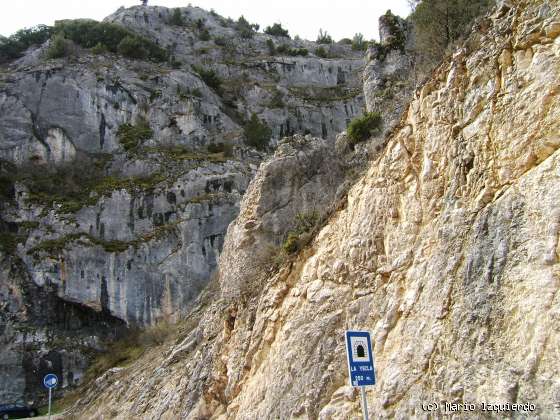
(440,23)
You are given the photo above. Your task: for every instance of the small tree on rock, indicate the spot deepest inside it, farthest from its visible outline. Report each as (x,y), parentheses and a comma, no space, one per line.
(324,37)
(277,30)
(257,133)
(176,18)
(358,42)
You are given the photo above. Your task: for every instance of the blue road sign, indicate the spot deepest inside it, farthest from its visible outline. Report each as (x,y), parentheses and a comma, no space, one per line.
(360,358)
(50,381)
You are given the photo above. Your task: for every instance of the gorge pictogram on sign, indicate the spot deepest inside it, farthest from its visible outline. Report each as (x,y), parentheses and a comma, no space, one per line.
(360,358)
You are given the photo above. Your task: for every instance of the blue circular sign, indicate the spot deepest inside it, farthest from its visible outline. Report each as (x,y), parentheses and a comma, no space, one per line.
(50,381)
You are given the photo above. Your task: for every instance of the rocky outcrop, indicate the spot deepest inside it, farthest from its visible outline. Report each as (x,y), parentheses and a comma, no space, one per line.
(294,94)
(447,250)
(137,247)
(388,76)
(302,179)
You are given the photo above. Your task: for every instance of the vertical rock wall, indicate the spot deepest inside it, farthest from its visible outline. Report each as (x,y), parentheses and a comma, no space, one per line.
(447,250)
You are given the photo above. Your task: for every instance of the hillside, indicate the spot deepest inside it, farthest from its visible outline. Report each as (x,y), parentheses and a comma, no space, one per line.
(446,249)
(120,175)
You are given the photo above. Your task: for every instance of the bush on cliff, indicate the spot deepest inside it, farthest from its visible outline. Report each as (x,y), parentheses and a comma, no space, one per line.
(285,49)
(257,133)
(177,18)
(130,136)
(359,43)
(277,30)
(440,23)
(245,29)
(210,77)
(13,47)
(361,128)
(305,226)
(324,38)
(321,52)
(88,33)
(59,47)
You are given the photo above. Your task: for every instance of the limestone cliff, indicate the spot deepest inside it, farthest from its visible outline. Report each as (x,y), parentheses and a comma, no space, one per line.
(446,249)
(138,245)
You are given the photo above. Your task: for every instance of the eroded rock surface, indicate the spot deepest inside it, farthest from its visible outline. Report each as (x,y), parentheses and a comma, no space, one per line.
(447,250)
(139,247)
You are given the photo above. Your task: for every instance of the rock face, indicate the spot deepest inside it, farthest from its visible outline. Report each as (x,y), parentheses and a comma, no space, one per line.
(301,94)
(303,179)
(388,76)
(447,250)
(139,246)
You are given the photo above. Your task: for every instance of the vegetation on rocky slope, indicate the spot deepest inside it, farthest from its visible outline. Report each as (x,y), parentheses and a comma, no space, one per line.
(305,226)
(53,247)
(257,133)
(439,24)
(89,33)
(361,128)
(132,135)
(14,46)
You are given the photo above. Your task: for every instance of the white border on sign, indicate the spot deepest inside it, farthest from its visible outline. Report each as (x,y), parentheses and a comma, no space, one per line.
(348,353)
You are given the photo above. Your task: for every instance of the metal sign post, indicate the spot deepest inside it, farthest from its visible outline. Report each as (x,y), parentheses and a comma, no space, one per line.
(50,399)
(360,363)
(364,403)
(50,382)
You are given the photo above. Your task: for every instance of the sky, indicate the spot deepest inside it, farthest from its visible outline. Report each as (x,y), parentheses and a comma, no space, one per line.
(341,19)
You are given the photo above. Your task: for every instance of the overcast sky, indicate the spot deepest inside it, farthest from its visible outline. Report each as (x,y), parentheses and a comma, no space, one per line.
(342,18)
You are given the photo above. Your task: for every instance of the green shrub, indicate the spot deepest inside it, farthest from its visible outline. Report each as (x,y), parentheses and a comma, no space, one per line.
(305,225)
(364,127)
(321,52)
(291,244)
(7,180)
(13,47)
(306,222)
(299,51)
(132,47)
(132,344)
(277,30)
(209,77)
(71,185)
(177,18)
(277,100)
(271,47)
(257,133)
(66,184)
(59,47)
(88,33)
(205,35)
(358,43)
(130,136)
(245,29)
(345,41)
(324,38)
(176,64)
(9,242)
(220,41)
(199,24)
(285,49)
(437,26)
(99,48)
